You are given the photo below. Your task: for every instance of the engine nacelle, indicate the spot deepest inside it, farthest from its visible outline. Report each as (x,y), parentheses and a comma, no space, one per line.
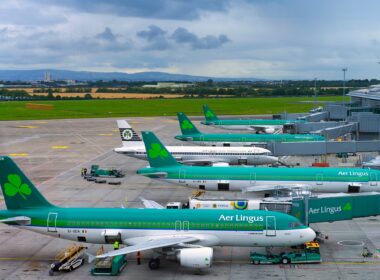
(196,257)
(220,164)
(270,130)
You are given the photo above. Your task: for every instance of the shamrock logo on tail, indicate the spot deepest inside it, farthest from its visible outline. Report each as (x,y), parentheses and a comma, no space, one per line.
(186,125)
(15,186)
(127,134)
(157,151)
(209,114)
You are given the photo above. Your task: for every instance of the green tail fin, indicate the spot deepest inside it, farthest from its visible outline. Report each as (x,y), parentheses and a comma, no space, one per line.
(209,114)
(156,152)
(18,191)
(187,127)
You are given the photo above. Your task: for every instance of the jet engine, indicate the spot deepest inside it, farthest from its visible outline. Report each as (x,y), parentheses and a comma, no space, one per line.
(220,164)
(195,257)
(269,130)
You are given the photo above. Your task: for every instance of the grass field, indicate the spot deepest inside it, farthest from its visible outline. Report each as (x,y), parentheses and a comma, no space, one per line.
(155,107)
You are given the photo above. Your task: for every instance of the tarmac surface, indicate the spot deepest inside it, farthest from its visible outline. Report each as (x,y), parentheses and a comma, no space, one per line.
(52,153)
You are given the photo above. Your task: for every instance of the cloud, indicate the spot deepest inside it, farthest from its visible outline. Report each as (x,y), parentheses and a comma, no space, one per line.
(106,35)
(183,36)
(158,9)
(156,38)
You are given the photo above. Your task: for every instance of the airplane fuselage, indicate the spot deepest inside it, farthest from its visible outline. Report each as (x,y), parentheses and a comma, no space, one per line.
(211,227)
(246,139)
(245,178)
(194,155)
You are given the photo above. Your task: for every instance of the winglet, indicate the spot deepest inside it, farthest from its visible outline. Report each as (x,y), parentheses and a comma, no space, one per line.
(157,154)
(187,127)
(209,114)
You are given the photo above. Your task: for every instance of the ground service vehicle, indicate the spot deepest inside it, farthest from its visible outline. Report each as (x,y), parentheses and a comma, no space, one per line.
(309,254)
(111,172)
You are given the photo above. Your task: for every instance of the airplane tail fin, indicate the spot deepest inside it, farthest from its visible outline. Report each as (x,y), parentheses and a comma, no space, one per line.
(128,136)
(187,127)
(18,191)
(209,114)
(157,154)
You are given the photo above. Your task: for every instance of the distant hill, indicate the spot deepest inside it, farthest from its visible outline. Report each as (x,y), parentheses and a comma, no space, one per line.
(36,75)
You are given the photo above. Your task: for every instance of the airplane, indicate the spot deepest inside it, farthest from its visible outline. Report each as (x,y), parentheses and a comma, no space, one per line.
(195,155)
(255,179)
(258,125)
(189,235)
(191,134)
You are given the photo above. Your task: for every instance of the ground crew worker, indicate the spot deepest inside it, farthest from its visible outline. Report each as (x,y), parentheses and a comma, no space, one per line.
(116,245)
(85,171)
(138,257)
(82,172)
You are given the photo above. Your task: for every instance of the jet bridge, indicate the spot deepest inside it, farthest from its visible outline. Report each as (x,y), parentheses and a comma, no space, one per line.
(322,147)
(335,207)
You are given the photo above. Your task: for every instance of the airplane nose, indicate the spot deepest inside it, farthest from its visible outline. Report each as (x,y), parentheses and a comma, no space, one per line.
(308,234)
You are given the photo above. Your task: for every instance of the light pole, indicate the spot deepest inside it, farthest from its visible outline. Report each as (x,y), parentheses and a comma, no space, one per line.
(315,92)
(344,83)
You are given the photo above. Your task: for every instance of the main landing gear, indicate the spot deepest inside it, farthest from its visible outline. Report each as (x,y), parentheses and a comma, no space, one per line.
(154,263)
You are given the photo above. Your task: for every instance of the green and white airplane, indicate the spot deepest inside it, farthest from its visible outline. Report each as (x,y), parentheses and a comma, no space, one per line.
(258,125)
(191,134)
(187,234)
(255,179)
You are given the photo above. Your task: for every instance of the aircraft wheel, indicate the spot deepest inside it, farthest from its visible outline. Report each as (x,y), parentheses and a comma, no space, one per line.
(154,263)
(285,261)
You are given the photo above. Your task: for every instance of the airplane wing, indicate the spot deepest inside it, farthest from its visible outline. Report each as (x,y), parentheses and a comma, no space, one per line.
(21,220)
(151,204)
(150,242)
(264,188)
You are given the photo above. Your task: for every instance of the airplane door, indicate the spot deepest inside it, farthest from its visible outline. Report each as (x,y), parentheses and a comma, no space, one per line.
(252,178)
(185,226)
(372,179)
(271,226)
(202,138)
(182,175)
(52,222)
(177,225)
(319,179)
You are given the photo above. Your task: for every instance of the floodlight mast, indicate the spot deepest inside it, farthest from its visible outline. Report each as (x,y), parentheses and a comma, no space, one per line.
(344,83)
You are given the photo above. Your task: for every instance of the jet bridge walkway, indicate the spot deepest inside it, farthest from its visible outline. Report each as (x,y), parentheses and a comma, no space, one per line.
(335,207)
(322,147)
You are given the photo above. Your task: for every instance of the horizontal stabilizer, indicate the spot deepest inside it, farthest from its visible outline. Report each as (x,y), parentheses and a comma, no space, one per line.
(156,174)
(21,220)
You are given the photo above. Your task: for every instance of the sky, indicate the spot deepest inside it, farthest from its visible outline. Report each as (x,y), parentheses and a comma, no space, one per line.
(270,39)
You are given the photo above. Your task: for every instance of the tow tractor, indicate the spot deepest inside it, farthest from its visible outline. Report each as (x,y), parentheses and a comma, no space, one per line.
(69,259)
(111,172)
(308,254)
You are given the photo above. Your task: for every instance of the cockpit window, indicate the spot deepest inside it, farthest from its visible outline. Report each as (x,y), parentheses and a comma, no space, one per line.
(294,224)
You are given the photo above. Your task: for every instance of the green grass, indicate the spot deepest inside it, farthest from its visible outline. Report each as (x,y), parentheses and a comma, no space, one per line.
(155,107)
